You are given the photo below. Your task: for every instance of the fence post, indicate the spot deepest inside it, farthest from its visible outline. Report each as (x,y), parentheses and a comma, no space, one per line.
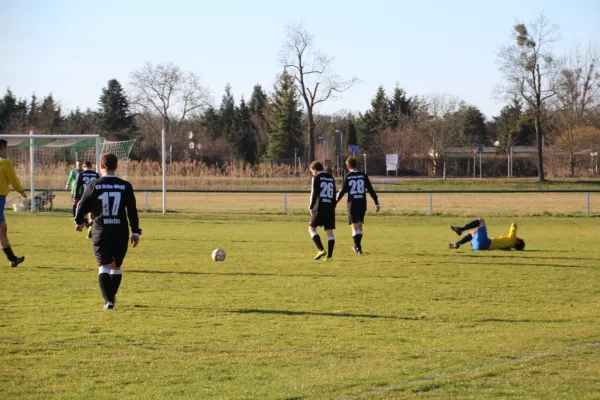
(285,203)
(430,203)
(587,204)
(145,201)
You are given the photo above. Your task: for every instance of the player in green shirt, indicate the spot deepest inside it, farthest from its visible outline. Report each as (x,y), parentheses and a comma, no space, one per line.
(71,183)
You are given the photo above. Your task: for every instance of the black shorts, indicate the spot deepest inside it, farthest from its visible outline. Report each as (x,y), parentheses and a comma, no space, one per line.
(109,250)
(324,218)
(356,213)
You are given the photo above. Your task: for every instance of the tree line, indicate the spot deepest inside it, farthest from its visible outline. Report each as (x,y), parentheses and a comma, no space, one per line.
(550,102)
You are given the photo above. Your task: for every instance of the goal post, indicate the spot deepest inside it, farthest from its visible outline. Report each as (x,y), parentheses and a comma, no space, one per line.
(47,159)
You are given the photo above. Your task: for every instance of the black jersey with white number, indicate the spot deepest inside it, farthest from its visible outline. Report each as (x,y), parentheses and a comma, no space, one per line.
(111,201)
(322,195)
(357,184)
(83,179)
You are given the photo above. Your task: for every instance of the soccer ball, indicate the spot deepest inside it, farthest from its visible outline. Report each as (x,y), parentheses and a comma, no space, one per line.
(218,255)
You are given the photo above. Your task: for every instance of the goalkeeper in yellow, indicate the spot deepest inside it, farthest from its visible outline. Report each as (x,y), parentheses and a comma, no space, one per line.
(480,241)
(8,178)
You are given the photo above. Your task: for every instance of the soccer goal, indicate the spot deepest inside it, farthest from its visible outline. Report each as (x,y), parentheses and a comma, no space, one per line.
(46,161)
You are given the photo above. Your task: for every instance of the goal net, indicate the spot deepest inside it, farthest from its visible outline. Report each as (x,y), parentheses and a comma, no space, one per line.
(43,162)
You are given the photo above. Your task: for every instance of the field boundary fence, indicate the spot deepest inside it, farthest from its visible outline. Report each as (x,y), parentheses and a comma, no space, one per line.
(428,205)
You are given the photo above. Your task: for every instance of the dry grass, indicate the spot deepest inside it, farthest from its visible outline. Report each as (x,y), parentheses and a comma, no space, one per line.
(460,204)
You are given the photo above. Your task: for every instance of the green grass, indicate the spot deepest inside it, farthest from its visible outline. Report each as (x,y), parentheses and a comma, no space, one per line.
(409,319)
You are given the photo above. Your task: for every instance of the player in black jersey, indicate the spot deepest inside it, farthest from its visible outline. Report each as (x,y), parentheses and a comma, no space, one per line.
(83,179)
(357,184)
(112,202)
(322,209)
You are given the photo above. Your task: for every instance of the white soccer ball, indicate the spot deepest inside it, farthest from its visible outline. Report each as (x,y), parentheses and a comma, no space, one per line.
(218,255)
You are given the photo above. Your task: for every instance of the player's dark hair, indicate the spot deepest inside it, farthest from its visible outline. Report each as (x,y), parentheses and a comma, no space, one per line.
(351,163)
(316,166)
(108,161)
(3,144)
(519,244)
(87,164)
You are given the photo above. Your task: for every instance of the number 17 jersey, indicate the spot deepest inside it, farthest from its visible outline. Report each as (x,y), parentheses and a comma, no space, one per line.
(111,201)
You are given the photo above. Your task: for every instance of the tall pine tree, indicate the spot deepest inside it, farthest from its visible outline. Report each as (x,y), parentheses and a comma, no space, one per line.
(258,106)
(227,114)
(286,121)
(114,112)
(244,137)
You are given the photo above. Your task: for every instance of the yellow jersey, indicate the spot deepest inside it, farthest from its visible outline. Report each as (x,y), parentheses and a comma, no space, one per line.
(8,177)
(505,242)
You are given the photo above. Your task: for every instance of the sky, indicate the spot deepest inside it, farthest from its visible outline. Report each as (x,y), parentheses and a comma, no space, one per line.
(73,48)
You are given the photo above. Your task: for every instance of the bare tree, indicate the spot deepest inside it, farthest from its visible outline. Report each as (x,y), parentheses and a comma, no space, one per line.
(441,127)
(530,71)
(166,91)
(577,93)
(312,74)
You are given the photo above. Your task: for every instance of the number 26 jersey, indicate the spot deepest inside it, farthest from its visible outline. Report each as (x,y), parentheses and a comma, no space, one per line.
(112,202)
(322,196)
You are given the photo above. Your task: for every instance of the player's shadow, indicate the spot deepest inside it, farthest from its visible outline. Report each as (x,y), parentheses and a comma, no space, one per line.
(513,265)
(145,271)
(322,314)
(521,257)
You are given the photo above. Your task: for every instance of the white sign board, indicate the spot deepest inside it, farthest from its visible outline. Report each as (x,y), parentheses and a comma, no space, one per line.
(391,163)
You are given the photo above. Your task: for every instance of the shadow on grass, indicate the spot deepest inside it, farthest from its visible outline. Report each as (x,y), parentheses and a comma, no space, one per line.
(321,314)
(513,265)
(145,271)
(533,258)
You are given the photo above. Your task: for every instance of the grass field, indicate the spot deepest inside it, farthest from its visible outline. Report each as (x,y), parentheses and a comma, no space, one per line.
(409,319)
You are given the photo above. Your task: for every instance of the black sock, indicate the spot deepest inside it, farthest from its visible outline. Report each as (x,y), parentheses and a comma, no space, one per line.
(471,225)
(74,209)
(359,240)
(356,241)
(465,239)
(330,246)
(9,254)
(317,239)
(105,287)
(115,280)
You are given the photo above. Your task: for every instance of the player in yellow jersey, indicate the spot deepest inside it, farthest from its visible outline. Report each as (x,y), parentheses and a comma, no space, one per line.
(480,241)
(8,177)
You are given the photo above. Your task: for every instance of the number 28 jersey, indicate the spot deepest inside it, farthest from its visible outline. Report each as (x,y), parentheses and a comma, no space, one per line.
(357,184)
(111,201)
(322,196)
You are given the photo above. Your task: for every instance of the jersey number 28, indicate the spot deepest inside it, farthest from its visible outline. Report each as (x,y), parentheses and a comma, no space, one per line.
(357,186)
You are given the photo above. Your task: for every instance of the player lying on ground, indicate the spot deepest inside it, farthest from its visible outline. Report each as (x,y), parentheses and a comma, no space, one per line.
(357,184)
(480,241)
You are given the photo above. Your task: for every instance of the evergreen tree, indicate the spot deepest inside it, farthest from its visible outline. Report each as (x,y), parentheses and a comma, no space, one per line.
(33,116)
(286,121)
(211,122)
(50,116)
(401,108)
(244,138)
(376,119)
(8,106)
(114,111)
(351,138)
(227,114)
(514,128)
(472,127)
(258,106)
